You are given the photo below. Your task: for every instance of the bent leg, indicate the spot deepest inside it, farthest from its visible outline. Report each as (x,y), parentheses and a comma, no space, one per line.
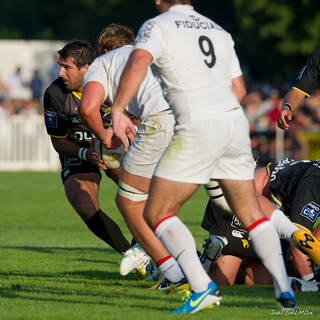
(241,195)
(82,192)
(132,212)
(165,199)
(256,273)
(225,269)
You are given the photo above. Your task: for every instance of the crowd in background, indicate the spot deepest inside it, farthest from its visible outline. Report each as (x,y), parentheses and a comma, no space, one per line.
(261,104)
(21,97)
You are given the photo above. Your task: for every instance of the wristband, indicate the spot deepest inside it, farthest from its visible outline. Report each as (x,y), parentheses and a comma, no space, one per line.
(287,105)
(82,154)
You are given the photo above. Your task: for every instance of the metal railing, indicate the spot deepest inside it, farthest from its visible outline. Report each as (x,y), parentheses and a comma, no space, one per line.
(25,145)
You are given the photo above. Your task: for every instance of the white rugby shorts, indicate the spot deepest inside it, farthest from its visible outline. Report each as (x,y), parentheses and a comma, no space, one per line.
(218,148)
(151,140)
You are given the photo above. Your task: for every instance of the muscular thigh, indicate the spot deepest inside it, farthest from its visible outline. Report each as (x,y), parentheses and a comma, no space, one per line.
(165,199)
(256,273)
(82,192)
(225,270)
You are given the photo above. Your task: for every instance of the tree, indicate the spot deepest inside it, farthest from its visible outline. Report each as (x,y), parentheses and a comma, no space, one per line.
(277,35)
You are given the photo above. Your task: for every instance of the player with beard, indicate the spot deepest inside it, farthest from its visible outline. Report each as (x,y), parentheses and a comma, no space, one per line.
(74,143)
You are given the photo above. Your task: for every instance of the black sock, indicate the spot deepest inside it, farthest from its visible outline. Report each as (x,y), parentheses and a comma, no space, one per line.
(108,231)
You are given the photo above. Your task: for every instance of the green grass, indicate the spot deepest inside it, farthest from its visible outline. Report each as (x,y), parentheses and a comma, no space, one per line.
(52,267)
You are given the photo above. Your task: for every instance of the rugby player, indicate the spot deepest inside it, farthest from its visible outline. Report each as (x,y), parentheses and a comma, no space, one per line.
(74,142)
(198,64)
(307,81)
(151,139)
(290,185)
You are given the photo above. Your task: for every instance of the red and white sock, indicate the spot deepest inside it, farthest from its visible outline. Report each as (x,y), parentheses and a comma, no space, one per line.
(170,269)
(267,246)
(283,225)
(179,242)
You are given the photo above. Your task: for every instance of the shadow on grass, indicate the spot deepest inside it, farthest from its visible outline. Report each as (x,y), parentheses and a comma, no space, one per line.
(57,249)
(89,296)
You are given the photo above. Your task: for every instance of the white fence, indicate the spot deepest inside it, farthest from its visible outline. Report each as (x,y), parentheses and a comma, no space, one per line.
(25,145)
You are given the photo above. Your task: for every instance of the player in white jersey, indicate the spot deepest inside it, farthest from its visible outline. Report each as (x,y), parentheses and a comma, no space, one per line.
(196,60)
(151,139)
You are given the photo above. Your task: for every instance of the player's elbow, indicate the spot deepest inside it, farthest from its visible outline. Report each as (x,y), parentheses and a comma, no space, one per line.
(140,59)
(86,108)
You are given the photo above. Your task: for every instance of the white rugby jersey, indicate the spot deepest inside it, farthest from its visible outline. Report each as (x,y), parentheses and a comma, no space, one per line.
(196,59)
(107,70)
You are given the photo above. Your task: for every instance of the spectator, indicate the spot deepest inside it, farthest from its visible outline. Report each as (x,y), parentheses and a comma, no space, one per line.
(36,85)
(17,91)
(54,69)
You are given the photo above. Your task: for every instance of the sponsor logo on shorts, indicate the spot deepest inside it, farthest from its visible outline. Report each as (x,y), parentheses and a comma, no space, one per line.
(50,119)
(245,243)
(236,223)
(310,211)
(237,234)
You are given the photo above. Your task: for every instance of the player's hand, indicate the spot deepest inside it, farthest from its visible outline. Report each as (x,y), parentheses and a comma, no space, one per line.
(94,159)
(123,128)
(285,115)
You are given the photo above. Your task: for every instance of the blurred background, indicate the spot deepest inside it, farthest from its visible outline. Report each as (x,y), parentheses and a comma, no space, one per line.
(273,40)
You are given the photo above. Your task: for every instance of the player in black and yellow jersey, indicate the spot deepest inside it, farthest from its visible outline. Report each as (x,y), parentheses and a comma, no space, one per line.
(306,83)
(73,141)
(293,186)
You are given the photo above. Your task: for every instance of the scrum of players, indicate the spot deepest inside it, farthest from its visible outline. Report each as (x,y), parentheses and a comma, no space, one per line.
(78,109)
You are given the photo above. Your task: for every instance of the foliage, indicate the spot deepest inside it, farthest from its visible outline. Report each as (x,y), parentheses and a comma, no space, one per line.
(272,36)
(277,34)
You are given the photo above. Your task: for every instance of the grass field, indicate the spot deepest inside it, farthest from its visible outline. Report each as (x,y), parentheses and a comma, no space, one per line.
(52,267)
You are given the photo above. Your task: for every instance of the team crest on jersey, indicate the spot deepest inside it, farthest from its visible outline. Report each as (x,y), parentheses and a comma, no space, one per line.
(50,119)
(310,211)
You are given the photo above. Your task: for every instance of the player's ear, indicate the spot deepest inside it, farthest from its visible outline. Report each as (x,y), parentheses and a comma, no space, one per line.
(84,68)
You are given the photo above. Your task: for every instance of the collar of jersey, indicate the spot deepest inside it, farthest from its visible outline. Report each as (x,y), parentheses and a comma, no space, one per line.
(181,7)
(77,94)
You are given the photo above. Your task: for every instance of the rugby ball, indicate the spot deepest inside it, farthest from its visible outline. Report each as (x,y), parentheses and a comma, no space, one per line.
(112,157)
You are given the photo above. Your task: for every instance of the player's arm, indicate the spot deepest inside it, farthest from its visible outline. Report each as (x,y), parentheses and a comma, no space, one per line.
(148,46)
(57,129)
(68,148)
(238,88)
(305,84)
(132,76)
(292,102)
(93,94)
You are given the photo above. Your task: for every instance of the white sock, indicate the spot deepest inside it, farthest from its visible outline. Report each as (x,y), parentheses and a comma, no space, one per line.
(179,242)
(309,277)
(267,246)
(170,269)
(283,225)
